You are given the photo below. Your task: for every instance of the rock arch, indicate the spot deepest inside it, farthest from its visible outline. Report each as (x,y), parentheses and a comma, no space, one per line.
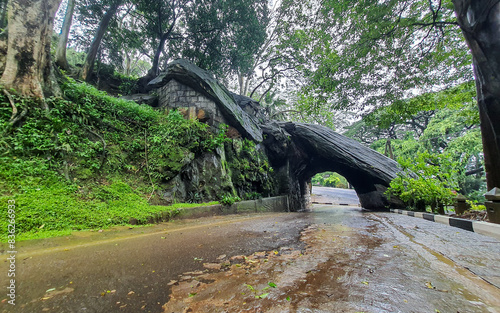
(297,151)
(311,149)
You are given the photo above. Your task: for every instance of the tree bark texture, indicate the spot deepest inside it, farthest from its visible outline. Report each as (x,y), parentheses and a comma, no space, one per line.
(155,70)
(61,60)
(480,24)
(27,65)
(88,67)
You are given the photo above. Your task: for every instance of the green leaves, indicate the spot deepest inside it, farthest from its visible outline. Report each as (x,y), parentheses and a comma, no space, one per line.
(426,180)
(259,293)
(370,53)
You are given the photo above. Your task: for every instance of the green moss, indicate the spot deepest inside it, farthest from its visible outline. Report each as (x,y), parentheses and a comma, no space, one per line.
(249,168)
(91,161)
(62,207)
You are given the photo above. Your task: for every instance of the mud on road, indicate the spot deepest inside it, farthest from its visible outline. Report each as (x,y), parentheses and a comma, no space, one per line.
(352,262)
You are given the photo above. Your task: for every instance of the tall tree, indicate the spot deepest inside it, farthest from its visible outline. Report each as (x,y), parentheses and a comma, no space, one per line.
(60,59)
(161,18)
(480,24)
(88,66)
(225,36)
(28,64)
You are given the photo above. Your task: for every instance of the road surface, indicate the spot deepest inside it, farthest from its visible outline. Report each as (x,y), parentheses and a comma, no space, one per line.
(333,259)
(335,195)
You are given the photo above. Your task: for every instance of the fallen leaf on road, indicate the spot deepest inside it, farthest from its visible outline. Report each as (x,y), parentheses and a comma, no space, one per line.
(52,292)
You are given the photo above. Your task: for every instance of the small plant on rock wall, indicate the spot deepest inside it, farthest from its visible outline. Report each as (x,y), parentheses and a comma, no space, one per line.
(229,200)
(219,139)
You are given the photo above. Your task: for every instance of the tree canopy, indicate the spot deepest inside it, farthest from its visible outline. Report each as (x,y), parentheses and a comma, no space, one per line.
(302,60)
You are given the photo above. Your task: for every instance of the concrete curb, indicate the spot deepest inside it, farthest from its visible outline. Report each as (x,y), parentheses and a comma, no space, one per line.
(271,204)
(483,228)
(336,203)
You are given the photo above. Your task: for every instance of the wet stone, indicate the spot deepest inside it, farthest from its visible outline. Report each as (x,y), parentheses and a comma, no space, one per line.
(212,266)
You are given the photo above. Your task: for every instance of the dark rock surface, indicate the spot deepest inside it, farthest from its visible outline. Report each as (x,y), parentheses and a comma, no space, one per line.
(312,149)
(295,151)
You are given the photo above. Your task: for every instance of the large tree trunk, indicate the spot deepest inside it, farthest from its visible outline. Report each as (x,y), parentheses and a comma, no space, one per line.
(88,67)
(28,66)
(61,60)
(480,24)
(154,71)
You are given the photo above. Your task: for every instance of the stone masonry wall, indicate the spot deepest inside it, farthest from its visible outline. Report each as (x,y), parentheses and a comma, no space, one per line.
(190,102)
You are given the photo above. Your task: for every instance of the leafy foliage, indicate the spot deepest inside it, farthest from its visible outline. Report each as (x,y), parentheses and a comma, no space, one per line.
(225,36)
(427,180)
(229,200)
(329,179)
(434,123)
(346,55)
(72,167)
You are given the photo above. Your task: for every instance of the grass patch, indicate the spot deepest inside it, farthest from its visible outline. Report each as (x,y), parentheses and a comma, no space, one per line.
(60,208)
(92,161)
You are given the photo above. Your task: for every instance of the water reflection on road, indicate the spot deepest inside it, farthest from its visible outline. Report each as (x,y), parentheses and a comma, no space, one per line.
(353,262)
(333,259)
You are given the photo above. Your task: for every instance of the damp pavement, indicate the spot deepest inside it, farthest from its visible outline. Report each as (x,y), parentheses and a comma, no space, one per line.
(333,259)
(334,196)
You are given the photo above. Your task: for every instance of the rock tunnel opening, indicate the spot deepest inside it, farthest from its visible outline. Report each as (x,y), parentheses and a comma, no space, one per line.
(330,179)
(332,188)
(313,149)
(367,188)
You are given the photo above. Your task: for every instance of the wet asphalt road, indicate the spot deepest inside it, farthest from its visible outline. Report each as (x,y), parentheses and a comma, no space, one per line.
(335,195)
(371,262)
(136,265)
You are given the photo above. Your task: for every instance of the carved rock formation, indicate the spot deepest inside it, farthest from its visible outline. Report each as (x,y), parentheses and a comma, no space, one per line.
(296,151)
